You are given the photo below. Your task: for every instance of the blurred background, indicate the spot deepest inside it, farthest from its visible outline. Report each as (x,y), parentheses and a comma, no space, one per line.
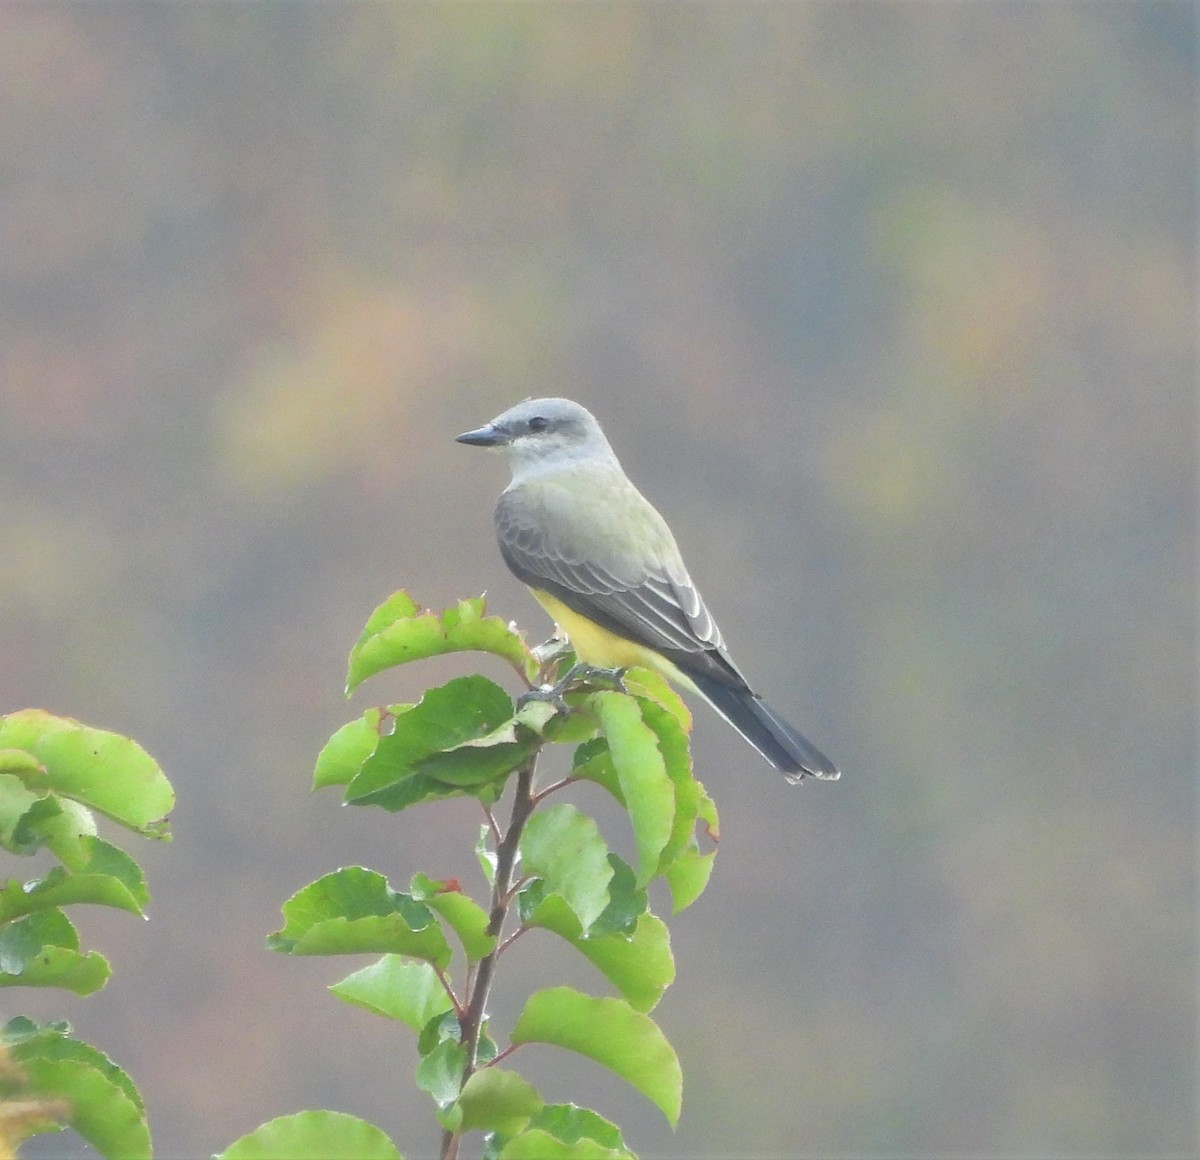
(887,306)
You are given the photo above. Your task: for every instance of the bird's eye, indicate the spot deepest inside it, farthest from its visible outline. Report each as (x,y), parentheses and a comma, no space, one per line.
(538,423)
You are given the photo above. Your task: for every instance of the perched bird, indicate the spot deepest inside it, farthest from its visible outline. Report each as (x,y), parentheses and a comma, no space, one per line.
(603,563)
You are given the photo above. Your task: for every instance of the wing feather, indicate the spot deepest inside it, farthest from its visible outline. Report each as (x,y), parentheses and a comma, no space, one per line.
(615,563)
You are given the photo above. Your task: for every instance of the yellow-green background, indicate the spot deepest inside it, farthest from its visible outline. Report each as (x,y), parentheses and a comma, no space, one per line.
(889,308)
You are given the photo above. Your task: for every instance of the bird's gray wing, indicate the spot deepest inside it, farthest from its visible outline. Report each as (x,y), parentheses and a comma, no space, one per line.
(603,550)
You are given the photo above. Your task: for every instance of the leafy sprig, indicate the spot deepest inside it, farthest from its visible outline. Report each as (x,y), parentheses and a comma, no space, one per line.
(547,869)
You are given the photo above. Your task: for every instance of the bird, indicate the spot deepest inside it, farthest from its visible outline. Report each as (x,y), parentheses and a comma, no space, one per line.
(602,562)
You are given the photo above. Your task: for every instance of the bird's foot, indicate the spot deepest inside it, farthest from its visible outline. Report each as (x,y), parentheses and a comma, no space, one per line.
(551,694)
(589,674)
(577,674)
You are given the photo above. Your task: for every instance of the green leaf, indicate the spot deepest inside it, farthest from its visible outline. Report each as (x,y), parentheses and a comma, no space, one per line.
(43,928)
(464,709)
(563,845)
(398,631)
(96,856)
(640,966)
(578,726)
(313,1136)
(536,715)
(60,888)
(105,1107)
(494,1100)
(593,762)
(486,856)
(440,1072)
(570,1123)
(68,970)
(463,915)
(21,1028)
(65,827)
(627,901)
(344,753)
(677,764)
(352,911)
(16,802)
(483,760)
(648,792)
(647,684)
(687,872)
(398,989)
(613,1034)
(105,771)
(19,762)
(687,877)
(537,1144)
(445,1028)
(51,1041)
(42,950)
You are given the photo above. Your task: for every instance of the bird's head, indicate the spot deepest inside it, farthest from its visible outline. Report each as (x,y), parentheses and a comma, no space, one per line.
(542,434)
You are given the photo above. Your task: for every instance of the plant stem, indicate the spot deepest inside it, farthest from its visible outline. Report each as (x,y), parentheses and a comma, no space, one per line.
(475,1003)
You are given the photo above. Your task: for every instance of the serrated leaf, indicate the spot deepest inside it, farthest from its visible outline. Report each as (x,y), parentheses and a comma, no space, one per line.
(645,683)
(627,901)
(537,1144)
(44,928)
(570,1123)
(468,766)
(51,1041)
(462,710)
(647,790)
(639,965)
(398,989)
(399,631)
(101,1110)
(64,826)
(68,970)
(494,1100)
(440,1072)
(562,845)
(105,771)
(21,1028)
(593,762)
(313,1136)
(42,950)
(613,1034)
(62,888)
(691,801)
(101,857)
(343,754)
(463,915)
(354,910)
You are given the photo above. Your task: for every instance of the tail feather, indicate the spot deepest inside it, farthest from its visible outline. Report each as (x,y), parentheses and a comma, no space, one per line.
(793,755)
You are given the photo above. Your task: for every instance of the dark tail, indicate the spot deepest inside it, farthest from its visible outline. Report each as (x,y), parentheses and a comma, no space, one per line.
(770,734)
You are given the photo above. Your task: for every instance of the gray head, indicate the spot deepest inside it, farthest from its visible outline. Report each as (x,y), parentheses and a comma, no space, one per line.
(543,435)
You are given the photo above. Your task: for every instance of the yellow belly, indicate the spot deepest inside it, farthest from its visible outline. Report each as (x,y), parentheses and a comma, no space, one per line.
(601,649)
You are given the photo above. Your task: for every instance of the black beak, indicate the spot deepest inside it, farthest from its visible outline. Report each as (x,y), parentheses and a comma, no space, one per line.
(487,436)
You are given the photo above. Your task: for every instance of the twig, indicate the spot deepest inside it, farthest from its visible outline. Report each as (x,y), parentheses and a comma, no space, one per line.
(471,1020)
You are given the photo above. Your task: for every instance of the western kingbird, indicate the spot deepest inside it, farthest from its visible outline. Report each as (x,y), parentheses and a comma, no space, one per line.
(603,563)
